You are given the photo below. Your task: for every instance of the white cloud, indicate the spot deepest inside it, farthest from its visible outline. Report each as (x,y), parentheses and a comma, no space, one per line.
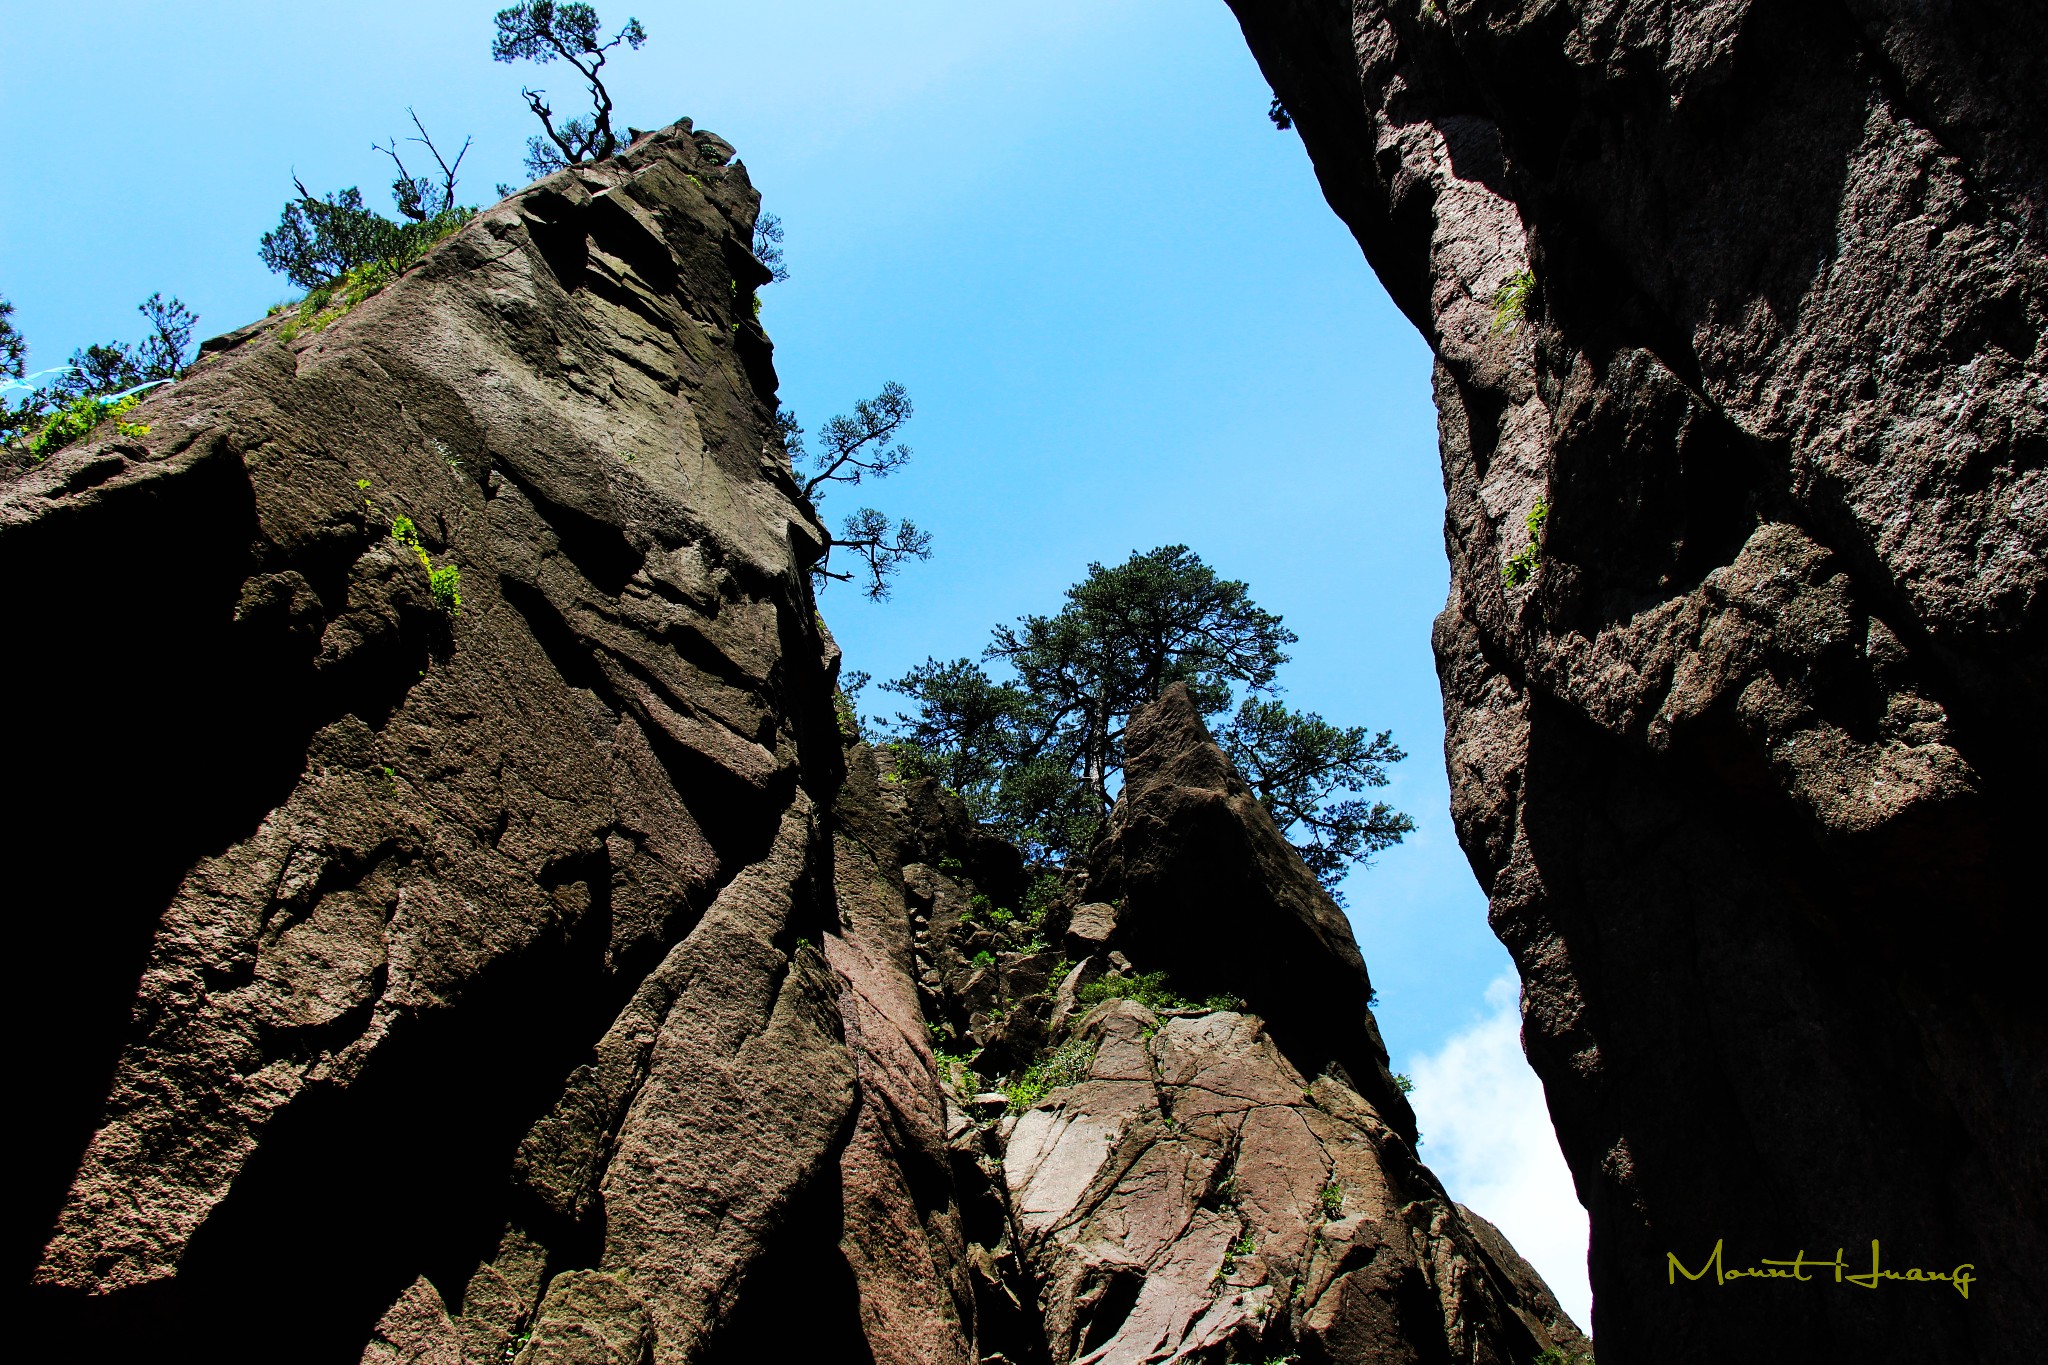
(1487,1135)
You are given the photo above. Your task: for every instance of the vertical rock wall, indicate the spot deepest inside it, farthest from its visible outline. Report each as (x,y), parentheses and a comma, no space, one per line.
(1738,312)
(425,979)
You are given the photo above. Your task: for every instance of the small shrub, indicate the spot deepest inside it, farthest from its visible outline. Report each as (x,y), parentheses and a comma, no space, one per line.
(984,958)
(1333,1200)
(329,301)
(1065,1065)
(1225,1002)
(80,417)
(1242,1247)
(1521,565)
(1038,899)
(849,722)
(1403,1084)
(951,865)
(445,582)
(1146,988)
(1511,301)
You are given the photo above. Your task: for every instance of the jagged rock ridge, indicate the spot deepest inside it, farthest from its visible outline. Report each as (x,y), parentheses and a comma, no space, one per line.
(1745,306)
(555,981)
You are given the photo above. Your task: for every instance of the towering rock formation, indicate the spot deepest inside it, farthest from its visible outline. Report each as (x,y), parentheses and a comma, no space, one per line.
(1739,317)
(415,976)
(530,968)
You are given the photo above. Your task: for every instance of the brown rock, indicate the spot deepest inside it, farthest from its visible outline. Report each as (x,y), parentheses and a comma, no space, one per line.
(1744,744)
(1192,1198)
(452,932)
(1215,897)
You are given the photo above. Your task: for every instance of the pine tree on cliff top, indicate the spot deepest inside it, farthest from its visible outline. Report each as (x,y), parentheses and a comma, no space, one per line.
(1039,755)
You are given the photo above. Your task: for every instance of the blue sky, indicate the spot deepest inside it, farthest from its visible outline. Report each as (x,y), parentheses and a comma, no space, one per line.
(1114,291)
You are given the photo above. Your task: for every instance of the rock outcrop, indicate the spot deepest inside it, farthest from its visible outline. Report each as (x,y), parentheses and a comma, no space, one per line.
(1739,315)
(439,981)
(526,964)
(1206,1182)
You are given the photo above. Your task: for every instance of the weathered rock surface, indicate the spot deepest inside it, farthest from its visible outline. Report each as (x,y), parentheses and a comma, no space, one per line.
(411,984)
(1189,1189)
(1744,739)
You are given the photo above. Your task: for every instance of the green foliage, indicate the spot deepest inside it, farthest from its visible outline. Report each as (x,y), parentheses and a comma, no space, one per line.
(1035,756)
(1521,565)
(1224,1003)
(1403,1083)
(13,348)
(956,1068)
(446,581)
(1297,764)
(1511,301)
(984,958)
(317,240)
(330,299)
(858,447)
(1333,1200)
(849,720)
(1045,888)
(1065,1065)
(540,31)
(78,418)
(768,248)
(95,381)
(1239,1249)
(1554,1356)
(446,585)
(951,865)
(1146,988)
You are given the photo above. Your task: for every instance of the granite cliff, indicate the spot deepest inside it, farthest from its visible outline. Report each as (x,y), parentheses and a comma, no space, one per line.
(535,967)
(1738,313)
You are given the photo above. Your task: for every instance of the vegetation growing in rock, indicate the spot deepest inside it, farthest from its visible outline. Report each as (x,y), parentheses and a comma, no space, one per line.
(768,246)
(1145,988)
(98,384)
(541,31)
(446,581)
(1521,565)
(1511,301)
(1303,770)
(1038,756)
(857,447)
(1065,1065)
(320,241)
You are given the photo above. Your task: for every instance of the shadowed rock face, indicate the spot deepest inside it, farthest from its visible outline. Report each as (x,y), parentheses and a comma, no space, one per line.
(1745,749)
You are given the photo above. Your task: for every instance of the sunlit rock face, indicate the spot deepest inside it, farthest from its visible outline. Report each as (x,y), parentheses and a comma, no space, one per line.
(1738,313)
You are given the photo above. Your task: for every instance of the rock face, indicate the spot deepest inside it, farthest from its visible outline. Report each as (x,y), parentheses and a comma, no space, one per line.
(1203,1182)
(547,976)
(1739,317)
(426,981)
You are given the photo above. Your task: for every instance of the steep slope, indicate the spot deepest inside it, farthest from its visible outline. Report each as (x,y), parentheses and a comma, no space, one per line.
(1234,1180)
(376,942)
(1739,317)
